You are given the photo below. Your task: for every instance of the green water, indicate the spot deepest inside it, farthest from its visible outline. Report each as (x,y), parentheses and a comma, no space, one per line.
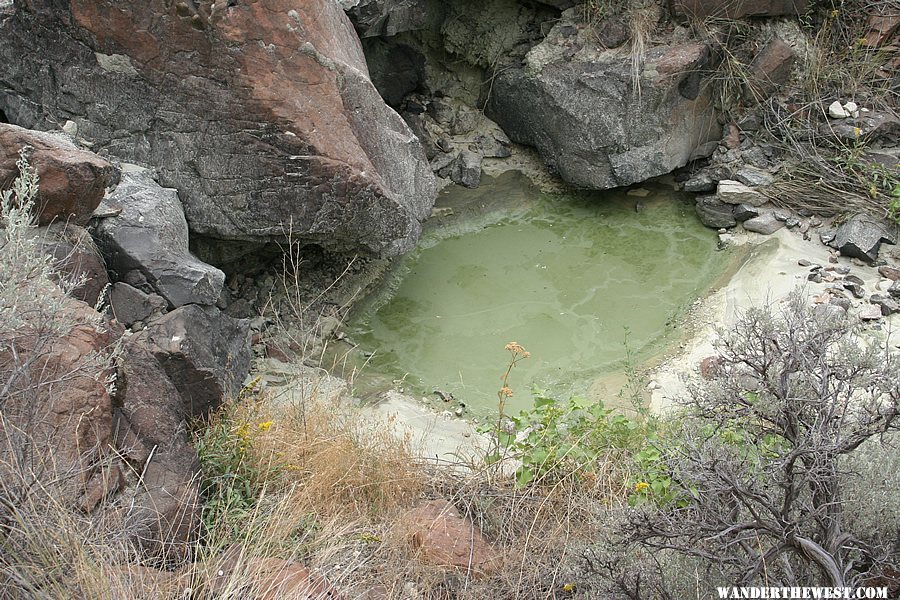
(568,277)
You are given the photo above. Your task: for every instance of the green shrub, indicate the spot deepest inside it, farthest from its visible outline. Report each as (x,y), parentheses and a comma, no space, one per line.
(762,462)
(579,437)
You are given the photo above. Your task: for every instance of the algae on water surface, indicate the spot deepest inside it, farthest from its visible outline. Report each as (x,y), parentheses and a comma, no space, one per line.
(568,277)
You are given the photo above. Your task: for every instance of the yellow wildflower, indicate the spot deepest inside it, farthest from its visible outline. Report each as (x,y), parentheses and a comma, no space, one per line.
(243,431)
(266,425)
(569,587)
(641,486)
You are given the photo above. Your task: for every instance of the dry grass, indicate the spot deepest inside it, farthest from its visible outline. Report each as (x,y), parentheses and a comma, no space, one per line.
(841,64)
(336,490)
(334,460)
(824,171)
(641,18)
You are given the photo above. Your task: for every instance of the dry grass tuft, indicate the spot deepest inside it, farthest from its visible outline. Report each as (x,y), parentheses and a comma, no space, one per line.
(335,461)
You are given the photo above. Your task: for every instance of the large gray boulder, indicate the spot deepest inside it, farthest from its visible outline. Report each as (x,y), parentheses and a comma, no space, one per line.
(735,192)
(261,114)
(861,237)
(148,241)
(130,305)
(591,120)
(765,224)
(205,353)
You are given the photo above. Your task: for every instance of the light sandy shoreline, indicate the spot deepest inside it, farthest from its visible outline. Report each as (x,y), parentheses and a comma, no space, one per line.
(766,277)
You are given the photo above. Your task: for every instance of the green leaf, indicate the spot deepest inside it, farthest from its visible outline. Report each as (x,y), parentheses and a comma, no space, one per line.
(524,476)
(538,456)
(541,401)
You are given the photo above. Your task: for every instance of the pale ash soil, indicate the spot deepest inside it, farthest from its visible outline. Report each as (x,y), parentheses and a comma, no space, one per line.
(768,275)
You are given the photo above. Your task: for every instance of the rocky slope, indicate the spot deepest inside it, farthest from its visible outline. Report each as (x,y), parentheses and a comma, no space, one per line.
(607,98)
(99,413)
(262,115)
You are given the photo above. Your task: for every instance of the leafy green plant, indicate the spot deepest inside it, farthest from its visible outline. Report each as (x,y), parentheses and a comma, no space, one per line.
(231,484)
(652,482)
(894,205)
(556,439)
(582,438)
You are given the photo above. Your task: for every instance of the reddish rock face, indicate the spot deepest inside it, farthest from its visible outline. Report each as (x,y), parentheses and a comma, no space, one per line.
(735,9)
(71,181)
(771,68)
(710,367)
(260,113)
(57,399)
(444,538)
(881,28)
(268,578)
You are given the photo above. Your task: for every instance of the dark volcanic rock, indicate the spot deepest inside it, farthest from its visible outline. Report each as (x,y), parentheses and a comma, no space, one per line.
(894,290)
(130,304)
(873,126)
(465,169)
(71,181)
(840,301)
(374,18)
(150,236)
(166,510)
(205,353)
(261,113)
(742,212)
(596,126)
(613,32)
(700,182)
(151,403)
(397,70)
(560,4)
(714,213)
(854,285)
(888,305)
(753,177)
(861,237)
